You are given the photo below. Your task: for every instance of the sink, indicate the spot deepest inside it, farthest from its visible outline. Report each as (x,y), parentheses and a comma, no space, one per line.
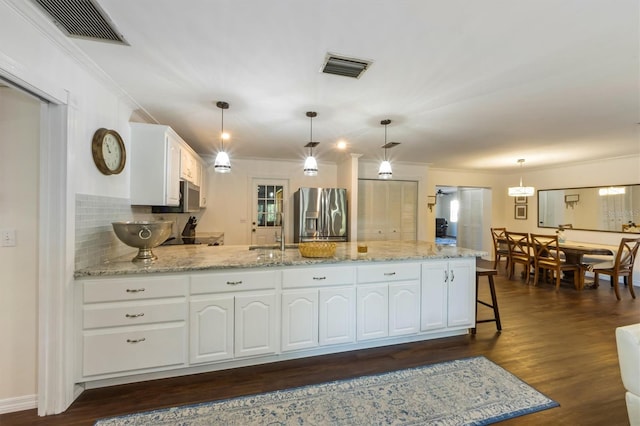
(273,247)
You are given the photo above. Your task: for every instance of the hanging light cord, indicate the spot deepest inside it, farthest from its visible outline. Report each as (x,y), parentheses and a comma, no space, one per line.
(385,142)
(222,129)
(311,135)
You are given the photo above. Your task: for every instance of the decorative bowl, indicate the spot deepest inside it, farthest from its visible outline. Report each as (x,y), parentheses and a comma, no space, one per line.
(317,249)
(143,235)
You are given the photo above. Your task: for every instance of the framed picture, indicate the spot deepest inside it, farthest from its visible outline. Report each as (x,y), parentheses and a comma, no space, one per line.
(520,211)
(521,200)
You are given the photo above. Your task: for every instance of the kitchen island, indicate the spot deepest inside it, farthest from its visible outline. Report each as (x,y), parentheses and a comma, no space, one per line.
(202,308)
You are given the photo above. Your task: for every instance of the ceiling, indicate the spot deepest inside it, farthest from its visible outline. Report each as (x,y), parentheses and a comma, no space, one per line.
(467,84)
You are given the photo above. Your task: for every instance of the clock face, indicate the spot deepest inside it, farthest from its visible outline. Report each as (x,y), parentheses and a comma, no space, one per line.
(111,152)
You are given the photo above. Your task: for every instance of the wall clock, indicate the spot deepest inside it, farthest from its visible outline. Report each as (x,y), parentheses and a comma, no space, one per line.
(108,151)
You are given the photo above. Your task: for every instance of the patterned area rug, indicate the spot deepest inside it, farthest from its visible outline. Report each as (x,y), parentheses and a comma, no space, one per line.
(472,391)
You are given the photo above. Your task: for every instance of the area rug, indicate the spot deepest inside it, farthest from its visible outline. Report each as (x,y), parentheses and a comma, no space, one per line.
(471,391)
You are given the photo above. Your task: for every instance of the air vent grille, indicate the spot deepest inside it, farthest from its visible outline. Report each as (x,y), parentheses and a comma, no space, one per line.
(81,19)
(346,67)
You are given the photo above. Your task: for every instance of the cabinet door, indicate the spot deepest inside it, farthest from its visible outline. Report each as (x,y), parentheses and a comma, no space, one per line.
(211,332)
(433,314)
(299,320)
(204,181)
(255,324)
(372,311)
(337,316)
(461,293)
(173,171)
(404,308)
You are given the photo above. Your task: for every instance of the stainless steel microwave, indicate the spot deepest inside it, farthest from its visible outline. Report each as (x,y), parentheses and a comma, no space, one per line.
(189,200)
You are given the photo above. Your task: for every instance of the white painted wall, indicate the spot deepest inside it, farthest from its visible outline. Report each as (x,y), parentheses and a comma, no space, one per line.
(19,149)
(34,54)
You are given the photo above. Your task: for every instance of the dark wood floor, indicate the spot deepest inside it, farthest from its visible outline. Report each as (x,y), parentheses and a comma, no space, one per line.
(562,343)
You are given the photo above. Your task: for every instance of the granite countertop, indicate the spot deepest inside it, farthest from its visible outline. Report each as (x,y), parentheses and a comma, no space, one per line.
(198,257)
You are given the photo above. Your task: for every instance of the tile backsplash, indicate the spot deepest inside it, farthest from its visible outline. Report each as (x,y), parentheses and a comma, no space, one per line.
(95,240)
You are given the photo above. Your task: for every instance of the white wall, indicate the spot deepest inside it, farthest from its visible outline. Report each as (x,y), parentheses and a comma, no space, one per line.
(34,54)
(19,148)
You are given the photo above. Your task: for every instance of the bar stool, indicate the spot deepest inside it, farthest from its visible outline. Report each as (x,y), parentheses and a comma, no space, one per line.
(489,273)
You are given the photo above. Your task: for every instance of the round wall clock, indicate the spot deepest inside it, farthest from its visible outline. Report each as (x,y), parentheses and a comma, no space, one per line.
(109,152)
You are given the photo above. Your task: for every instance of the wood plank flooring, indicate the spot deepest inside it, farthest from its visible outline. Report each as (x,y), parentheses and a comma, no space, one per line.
(562,343)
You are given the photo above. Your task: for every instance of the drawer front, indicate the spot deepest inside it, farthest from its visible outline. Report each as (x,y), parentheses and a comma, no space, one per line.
(388,272)
(317,277)
(138,348)
(111,290)
(234,281)
(134,313)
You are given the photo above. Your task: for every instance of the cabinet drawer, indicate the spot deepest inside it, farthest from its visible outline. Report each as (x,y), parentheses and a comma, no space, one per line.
(234,281)
(108,352)
(134,313)
(315,277)
(111,290)
(388,272)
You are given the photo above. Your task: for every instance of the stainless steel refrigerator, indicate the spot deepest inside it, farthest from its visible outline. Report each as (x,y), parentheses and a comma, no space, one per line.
(320,214)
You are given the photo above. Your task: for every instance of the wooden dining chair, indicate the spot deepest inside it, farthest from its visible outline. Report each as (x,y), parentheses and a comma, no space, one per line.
(519,252)
(548,257)
(500,247)
(622,266)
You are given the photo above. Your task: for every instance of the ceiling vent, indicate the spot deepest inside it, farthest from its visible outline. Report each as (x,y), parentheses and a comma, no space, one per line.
(346,67)
(81,19)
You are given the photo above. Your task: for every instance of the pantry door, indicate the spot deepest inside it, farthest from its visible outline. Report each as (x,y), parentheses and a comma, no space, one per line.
(268,204)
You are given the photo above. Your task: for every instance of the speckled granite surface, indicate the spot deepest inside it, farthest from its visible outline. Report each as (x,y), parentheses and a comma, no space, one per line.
(184,258)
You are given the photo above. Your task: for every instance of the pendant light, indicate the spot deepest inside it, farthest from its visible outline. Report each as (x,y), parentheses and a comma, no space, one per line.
(222,163)
(521,191)
(310,164)
(384,172)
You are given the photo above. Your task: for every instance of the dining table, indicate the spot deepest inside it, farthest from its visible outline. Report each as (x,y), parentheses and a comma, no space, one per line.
(575,251)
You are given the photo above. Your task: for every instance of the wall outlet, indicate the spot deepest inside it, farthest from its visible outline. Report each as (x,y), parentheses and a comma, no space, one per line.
(7,237)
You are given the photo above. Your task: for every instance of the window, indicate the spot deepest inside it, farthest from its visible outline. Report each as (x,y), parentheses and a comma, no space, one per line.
(454,209)
(270,203)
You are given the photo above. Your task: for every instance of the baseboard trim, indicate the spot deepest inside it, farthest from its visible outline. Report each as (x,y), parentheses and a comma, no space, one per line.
(20,403)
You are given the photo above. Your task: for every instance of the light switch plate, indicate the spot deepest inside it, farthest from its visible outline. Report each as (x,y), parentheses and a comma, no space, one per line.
(7,237)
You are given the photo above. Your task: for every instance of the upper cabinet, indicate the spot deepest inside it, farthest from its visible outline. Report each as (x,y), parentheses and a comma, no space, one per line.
(159,159)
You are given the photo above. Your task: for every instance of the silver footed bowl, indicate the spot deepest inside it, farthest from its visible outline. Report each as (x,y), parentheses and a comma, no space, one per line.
(143,235)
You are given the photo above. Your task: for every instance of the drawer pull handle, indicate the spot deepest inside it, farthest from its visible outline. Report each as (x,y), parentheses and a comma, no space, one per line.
(136,340)
(452,276)
(141,314)
(135,290)
(389,274)
(234,282)
(319,278)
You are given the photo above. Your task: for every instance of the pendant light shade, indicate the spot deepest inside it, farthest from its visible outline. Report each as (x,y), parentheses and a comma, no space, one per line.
(385,172)
(222,163)
(521,191)
(310,164)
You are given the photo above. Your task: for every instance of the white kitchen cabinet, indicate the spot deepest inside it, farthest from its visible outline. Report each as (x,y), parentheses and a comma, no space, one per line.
(211,328)
(299,319)
(255,322)
(318,307)
(372,311)
(448,294)
(388,300)
(337,315)
(131,325)
(232,315)
(189,166)
(387,210)
(155,165)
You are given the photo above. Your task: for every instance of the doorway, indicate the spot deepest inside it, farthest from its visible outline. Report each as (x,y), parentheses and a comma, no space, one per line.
(268,217)
(462,215)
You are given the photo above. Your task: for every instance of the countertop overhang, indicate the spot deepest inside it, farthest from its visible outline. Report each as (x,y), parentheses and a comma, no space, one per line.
(200,257)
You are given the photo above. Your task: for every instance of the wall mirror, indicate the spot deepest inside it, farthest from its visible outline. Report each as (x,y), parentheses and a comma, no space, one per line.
(606,208)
